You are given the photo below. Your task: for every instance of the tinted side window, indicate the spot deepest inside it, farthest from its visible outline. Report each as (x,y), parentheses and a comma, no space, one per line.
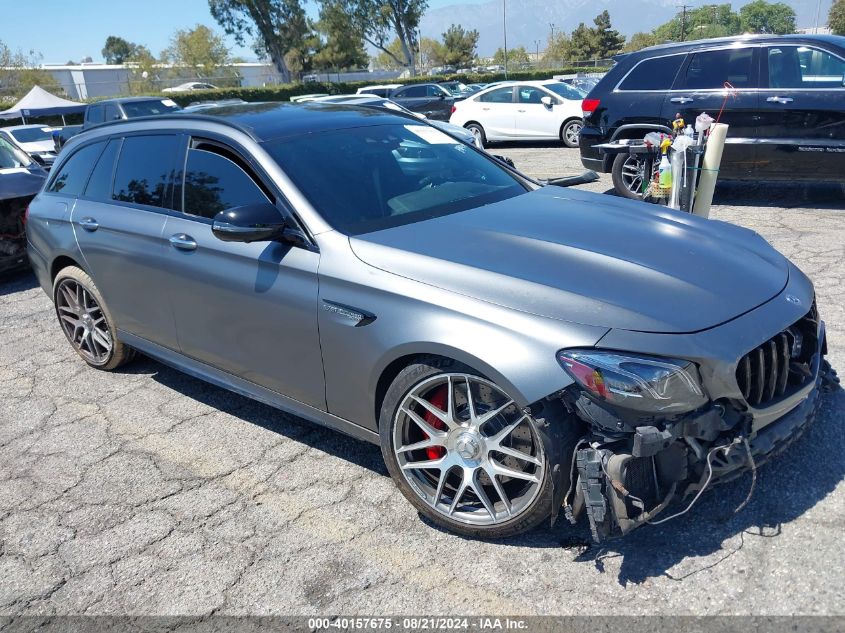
(144,170)
(72,176)
(112,113)
(711,69)
(804,67)
(436,91)
(94,114)
(214,183)
(413,91)
(653,74)
(500,95)
(530,94)
(100,183)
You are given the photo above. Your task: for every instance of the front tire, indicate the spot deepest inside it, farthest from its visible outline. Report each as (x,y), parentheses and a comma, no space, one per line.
(570,133)
(463,452)
(86,321)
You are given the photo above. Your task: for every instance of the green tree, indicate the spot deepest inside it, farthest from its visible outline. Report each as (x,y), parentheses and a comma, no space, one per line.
(379,22)
(762,17)
(459,46)
(20,71)
(836,17)
(710,20)
(583,43)
(639,41)
(608,41)
(199,49)
(558,48)
(343,47)
(146,73)
(515,56)
(117,50)
(278,26)
(431,53)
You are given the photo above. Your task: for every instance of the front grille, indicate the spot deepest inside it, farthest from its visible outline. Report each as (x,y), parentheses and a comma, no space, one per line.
(781,365)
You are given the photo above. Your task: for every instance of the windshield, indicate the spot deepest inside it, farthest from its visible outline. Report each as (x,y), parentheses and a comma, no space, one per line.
(11,157)
(32,134)
(565,90)
(371,178)
(147,108)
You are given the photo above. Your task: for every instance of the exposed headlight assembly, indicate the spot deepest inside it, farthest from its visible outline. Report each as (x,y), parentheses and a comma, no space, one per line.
(641,383)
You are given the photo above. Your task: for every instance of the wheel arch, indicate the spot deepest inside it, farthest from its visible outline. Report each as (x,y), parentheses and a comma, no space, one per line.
(63,261)
(402,357)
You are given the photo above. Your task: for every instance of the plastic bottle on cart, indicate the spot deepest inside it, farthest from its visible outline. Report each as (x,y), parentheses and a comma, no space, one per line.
(688,131)
(664,170)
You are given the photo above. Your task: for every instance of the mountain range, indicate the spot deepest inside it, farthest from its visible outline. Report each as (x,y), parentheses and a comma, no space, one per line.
(528,21)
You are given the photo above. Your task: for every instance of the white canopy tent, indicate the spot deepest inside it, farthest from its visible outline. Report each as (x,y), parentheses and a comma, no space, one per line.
(39,102)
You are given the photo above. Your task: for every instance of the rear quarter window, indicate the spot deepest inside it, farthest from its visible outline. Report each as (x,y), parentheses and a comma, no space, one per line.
(145,170)
(657,73)
(71,177)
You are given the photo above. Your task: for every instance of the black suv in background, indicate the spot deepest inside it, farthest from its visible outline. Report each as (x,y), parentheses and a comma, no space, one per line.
(787,116)
(432,100)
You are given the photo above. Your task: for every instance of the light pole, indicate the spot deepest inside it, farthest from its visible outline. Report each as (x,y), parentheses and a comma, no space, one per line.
(537,59)
(818,10)
(505,33)
(552,27)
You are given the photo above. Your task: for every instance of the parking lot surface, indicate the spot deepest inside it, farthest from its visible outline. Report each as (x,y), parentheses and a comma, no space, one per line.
(148,492)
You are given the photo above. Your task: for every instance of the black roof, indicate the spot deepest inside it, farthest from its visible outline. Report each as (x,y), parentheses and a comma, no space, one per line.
(272,120)
(127,100)
(836,40)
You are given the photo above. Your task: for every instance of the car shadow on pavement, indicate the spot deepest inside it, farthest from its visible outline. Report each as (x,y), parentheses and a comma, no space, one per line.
(17,281)
(358,452)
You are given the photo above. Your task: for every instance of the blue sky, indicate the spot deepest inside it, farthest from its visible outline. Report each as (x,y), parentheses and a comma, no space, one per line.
(63,30)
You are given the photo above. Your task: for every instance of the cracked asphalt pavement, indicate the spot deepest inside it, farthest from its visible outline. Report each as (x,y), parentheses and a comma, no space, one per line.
(146,491)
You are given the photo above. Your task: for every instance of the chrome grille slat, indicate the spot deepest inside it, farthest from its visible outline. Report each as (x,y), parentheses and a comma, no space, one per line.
(758,375)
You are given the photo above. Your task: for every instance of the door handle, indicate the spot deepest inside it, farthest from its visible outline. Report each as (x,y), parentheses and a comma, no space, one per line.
(183,242)
(485,109)
(681,99)
(779,99)
(89,224)
(520,110)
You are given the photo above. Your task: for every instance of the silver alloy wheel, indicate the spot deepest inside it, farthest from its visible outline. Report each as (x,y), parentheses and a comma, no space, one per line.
(478,460)
(476,134)
(83,321)
(632,174)
(572,134)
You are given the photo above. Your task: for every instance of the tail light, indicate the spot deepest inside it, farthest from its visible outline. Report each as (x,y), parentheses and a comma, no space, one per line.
(588,106)
(454,108)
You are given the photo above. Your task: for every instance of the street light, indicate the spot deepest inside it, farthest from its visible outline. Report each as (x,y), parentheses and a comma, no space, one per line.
(505,33)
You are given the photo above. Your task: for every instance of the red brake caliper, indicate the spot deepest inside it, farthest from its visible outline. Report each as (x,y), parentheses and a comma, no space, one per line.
(438,399)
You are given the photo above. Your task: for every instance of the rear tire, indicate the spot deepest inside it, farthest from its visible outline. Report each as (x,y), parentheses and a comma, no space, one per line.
(478,133)
(86,321)
(627,176)
(570,132)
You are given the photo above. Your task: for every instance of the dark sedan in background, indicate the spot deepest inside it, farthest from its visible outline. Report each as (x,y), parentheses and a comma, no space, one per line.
(432,100)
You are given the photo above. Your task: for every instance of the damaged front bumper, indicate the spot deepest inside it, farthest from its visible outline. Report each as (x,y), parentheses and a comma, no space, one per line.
(627,474)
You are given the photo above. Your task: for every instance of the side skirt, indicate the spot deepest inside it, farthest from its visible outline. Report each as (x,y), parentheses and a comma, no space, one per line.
(246,388)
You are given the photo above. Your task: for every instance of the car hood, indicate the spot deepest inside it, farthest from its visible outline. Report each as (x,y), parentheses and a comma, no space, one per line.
(587,258)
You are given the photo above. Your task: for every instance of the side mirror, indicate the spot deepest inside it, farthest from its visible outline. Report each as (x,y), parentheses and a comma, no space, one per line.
(259,222)
(547,101)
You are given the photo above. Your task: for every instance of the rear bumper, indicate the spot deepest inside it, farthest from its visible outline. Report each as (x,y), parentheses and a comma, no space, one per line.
(591,157)
(39,267)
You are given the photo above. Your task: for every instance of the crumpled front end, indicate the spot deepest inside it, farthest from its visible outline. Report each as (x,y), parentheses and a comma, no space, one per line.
(633,464)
